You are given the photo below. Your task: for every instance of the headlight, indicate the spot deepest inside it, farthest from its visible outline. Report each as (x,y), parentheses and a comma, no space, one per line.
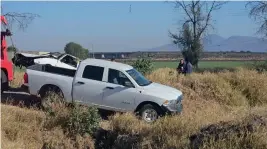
(169,102)
(166,102)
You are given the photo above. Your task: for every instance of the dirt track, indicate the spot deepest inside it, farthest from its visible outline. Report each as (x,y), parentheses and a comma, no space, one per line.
(19,97)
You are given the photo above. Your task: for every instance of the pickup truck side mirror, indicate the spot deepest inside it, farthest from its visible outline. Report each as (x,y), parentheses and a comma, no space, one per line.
(129,84)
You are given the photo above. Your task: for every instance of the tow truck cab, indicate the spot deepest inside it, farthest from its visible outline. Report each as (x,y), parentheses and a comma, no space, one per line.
(6,64)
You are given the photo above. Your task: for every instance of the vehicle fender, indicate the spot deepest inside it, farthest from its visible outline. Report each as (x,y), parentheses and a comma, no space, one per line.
(140,105)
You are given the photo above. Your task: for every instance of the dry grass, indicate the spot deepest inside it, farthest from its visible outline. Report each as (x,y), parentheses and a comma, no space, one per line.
(251,84)
(56,139)
(18,79)
(20,127)
(174,132)
(23,128)
(208,99)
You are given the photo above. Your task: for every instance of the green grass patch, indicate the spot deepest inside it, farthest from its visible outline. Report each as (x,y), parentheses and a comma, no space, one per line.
(205,64)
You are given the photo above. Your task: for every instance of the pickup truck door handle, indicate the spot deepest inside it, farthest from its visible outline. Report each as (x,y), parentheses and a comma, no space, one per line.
(109,87)
(79,82)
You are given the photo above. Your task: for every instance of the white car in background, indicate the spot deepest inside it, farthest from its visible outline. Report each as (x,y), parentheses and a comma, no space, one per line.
(54,59)
(64,61)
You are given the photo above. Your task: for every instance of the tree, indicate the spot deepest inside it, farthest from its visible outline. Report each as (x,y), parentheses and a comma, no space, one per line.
(195,24)
(191,48)
(22,20)
(77,50)
(12,49)
(258,11)
(143,64)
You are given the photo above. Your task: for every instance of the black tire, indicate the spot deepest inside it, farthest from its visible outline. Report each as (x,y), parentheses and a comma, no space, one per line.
(47,91)
(4,81)
(155,112)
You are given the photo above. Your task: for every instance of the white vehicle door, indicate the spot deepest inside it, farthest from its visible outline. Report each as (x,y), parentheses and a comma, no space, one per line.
(119,93)
(88,88)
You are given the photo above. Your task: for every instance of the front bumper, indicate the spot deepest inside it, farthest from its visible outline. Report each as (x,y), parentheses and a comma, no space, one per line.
(173,109)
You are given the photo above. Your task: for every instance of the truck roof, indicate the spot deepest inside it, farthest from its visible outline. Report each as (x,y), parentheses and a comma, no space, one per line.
(106,63)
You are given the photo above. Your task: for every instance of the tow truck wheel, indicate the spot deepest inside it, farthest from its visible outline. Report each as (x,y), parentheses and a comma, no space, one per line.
(4,81)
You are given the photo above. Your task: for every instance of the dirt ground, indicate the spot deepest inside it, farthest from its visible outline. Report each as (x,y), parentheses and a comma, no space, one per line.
(19,97)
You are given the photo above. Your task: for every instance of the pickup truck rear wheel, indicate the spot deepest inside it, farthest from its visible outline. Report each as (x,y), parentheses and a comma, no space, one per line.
(50,90)
(149,113)
(51,95)
(4,81)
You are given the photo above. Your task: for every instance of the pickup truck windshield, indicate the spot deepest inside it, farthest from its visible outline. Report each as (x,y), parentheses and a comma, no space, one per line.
(138,77)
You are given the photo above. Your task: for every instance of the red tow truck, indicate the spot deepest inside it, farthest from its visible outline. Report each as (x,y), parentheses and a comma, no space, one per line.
(6,64)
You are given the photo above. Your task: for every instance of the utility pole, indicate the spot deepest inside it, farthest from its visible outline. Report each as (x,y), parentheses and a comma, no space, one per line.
(93,51)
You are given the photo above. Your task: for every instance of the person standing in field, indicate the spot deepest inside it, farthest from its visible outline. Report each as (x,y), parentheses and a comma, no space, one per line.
(180,66)
(187,68)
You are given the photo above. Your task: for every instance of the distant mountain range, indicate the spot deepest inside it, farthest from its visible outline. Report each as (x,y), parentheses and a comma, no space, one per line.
(216,43)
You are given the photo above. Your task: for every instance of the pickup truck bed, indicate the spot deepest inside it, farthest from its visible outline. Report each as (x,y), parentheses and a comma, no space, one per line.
(52,69)
(50,75)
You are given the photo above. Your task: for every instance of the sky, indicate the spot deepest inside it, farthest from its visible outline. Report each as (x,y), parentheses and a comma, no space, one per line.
(110,26)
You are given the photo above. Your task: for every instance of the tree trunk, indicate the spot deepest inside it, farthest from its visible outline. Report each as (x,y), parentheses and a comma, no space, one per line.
(196,66)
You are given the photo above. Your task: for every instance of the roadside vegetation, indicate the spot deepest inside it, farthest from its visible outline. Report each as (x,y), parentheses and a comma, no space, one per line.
(225,109)
(207,64)
(221,110)
(143,65)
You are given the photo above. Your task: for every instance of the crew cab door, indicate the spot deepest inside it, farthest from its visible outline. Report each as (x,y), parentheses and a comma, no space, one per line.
(119,92)
(88,85)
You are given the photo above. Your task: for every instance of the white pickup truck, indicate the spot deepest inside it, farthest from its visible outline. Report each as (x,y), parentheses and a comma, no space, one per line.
(108,85)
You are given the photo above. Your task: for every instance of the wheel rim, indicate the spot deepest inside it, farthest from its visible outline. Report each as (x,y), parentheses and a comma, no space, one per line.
(150,115)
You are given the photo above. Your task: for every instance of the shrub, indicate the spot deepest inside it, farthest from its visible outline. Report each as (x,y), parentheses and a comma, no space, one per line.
(56,139)
(259,66)
(53,104)
(143,65)
(74,120)
(82,120)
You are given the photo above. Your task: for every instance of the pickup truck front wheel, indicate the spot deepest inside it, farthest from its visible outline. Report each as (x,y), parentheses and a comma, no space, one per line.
(149,113)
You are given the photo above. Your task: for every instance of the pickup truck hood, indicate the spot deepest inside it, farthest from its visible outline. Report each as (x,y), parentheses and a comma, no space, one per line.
(162,91)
